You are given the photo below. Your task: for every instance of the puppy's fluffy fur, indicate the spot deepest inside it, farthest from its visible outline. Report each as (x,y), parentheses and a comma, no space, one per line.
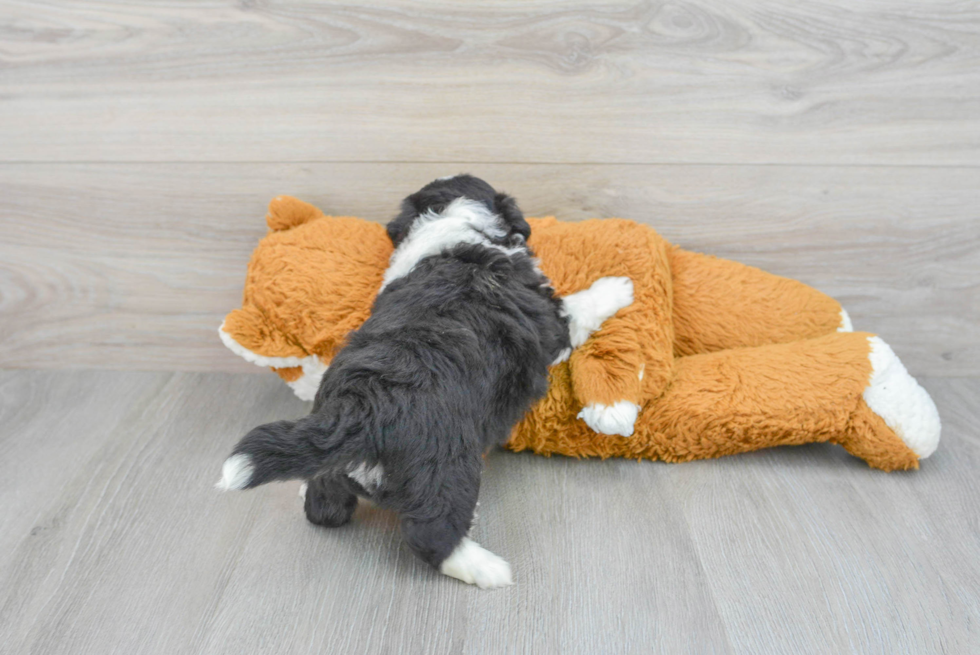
(456,350)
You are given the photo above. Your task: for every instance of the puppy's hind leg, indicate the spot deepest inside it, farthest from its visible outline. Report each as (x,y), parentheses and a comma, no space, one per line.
(328,501)
(442,542)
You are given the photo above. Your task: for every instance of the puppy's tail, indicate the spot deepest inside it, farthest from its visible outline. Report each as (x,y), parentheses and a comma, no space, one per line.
(283,450)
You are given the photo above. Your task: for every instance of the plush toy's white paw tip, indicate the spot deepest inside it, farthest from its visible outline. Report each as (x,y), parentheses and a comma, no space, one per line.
(896,397)
(845,322)
(617,418)
(474,564)
(236,473)
(609,295)
(588,309)
(302,490)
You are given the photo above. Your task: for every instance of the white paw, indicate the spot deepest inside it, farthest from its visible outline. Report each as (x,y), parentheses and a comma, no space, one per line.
(845,322)
(302,490)
(617,418)
(588,309)
(895,396)
(474,564)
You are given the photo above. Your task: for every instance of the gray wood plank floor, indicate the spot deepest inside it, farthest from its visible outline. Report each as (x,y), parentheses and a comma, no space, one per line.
(113,541)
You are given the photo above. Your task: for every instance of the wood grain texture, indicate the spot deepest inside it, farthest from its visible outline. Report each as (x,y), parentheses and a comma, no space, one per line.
(113,541)
(702,81)
(135,265)
(822,556)
(836,143)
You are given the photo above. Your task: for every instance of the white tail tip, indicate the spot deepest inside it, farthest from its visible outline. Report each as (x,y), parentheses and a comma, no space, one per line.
(236,473)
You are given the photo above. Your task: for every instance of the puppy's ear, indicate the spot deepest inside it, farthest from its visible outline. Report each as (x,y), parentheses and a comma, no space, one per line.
(398,227)
(506,207)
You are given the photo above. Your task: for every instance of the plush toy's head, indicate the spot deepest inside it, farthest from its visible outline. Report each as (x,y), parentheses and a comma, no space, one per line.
(310,282)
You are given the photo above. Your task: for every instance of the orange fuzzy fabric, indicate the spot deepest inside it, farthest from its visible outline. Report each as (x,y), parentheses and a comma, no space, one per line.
(721,357)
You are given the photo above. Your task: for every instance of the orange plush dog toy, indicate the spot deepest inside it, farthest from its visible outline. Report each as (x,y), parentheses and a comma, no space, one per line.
(712,358)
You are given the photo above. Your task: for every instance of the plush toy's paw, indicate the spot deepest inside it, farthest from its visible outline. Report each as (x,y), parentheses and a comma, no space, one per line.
(617,418)
(896,397)
(845,322)
(474,564)
(588,309)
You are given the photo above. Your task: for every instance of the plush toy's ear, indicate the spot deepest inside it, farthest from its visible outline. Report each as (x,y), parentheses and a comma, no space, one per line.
(286,212)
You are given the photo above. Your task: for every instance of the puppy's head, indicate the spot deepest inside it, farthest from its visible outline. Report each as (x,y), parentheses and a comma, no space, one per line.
(435,197)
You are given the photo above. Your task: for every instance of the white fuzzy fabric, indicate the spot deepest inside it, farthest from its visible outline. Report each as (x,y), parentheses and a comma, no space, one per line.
(235,473)
(896,397)
(474,564)
(260,360)
(588,309)
(305,387)
(462,221)
(617,418)
(302,490)
(845,322)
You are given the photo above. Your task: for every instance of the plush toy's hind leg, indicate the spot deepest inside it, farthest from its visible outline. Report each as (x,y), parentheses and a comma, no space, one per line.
(846,388)
(721,304)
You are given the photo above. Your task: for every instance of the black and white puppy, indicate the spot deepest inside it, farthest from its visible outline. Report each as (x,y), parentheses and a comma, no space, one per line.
(455,351)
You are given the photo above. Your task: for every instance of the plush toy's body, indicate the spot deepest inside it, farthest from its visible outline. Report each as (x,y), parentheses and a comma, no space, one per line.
(712,358)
